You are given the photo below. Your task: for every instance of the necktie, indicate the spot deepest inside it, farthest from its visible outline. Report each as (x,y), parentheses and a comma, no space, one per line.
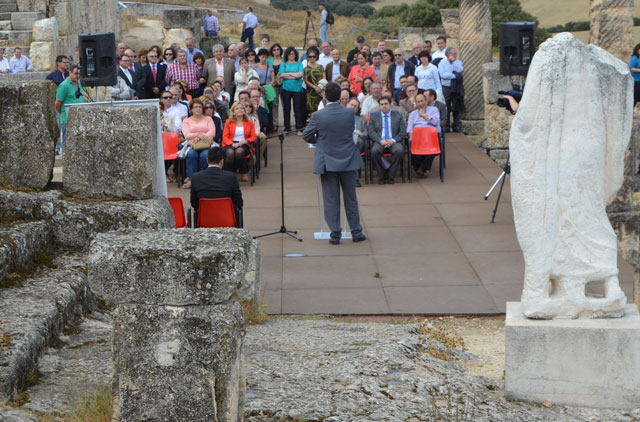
(387,135)
(153,69)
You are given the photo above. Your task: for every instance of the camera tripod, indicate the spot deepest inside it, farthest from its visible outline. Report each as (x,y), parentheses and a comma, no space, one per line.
(506,170)
(306,28)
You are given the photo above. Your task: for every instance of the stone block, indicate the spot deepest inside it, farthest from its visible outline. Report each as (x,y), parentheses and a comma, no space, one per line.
(43,55)
(611,26)
(451,22)
(45,30)
(27,122)
(111,152)
(175,36)
(472,127)
(23,21)
(174,363)
(497,126)
(585,362)
(493,81)
(62,12)
(19,38)
(25,77)
(207,43)
(33,6)
(179,18)
(184,267)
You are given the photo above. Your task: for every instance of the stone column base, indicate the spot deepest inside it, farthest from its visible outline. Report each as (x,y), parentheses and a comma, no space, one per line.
(576,362)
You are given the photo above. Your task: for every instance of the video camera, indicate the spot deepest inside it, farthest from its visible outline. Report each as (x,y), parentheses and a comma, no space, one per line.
(504,103)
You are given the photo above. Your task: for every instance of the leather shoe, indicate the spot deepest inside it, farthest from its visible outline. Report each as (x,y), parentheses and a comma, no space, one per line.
(420,172)
(334,241)
(360,238)
(391,181)
(244,177)
(381,181)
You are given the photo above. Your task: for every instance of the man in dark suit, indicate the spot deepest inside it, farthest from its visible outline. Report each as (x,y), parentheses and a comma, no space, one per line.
(386,131)
(136,70)
(416,49)
(337,161)
(154,77)
(215,183)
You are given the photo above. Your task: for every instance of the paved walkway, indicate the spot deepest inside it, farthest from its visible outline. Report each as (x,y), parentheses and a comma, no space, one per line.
(431,248)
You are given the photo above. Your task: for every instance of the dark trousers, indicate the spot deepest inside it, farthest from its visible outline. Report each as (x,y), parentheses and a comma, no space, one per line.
(331,183)
(397,151)
(636,92)
(298,108)
(248,33)
(450,110)
(422,161)
(234,159)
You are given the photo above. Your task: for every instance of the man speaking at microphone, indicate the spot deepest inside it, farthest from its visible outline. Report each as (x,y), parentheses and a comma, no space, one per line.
(336,161)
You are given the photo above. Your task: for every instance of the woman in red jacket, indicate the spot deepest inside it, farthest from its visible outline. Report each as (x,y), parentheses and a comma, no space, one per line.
(239,132)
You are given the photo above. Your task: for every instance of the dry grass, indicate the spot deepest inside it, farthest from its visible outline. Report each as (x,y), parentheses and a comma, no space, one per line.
(93,406)
(432,330)
(255,313)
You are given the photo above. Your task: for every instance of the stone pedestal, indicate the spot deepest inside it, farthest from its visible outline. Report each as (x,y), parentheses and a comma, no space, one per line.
(178,328)
(575,362)
(111,152)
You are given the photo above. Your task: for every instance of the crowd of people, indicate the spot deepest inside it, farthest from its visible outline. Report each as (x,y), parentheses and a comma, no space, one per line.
(235,97)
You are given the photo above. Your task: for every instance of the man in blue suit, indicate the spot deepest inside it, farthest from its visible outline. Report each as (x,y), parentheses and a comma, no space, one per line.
(337,161)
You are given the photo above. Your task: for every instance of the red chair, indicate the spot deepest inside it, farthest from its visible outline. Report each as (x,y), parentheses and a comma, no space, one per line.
(425,141)
(170,143)
(216,213)
(178,213)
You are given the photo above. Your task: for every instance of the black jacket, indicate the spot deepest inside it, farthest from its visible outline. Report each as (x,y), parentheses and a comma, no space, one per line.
(409,70)
(147,80)
(215,183)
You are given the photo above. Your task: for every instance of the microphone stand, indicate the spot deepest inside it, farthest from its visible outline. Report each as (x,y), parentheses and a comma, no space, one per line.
(283,227)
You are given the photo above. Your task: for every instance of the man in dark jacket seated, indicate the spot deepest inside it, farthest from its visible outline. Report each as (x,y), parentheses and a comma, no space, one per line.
(215,183)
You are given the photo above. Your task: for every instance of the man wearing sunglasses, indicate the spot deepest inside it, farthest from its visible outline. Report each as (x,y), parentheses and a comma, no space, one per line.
(154,74)
(399,67)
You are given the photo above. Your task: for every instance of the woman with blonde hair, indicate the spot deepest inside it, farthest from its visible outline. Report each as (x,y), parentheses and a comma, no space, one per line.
(239,133)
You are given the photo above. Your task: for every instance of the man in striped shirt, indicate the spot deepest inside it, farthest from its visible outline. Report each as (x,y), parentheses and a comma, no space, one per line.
(211,24)
(183,70)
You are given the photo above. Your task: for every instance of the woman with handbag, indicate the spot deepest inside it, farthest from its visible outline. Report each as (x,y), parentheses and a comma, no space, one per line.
(239,133)
(199,131)
(275,61)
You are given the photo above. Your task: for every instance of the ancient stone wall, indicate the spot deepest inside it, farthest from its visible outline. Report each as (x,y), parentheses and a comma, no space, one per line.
(181,23)
(611,26)
(450,22)
(408,35)
(178,329)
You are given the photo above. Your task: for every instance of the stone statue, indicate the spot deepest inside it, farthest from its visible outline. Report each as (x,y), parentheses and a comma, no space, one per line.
(567,146)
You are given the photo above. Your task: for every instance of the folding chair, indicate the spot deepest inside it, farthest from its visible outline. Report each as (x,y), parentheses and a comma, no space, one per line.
(178,213)
(425,141)
(170,143)
(217,213)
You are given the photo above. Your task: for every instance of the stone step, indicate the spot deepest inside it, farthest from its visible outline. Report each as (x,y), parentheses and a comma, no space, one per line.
(5,25)
(20,243)
(7,8)
(8,2)
(35,311)
(5,16)
(16,37)
(23,21)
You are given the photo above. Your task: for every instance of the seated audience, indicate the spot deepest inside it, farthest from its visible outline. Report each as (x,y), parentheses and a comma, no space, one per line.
(372,100)
(20,63)
(424,115)
(199,131)
(239,134)
(386,131)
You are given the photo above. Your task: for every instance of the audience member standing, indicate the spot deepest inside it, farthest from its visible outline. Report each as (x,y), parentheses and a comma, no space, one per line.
(183,70)
(219,67)
(450,70)
(211,23)
(416,49)
(292,72)
(634,67)
(352,53)
(337,161)
(20,63)
(313,73)
(243,76)
(125,73)
(336,68)
(325,54)
(359,72)
(324,26)
(249,24)
(154,75)
(399,67)
(441,43)
(427,74)
(191,49)
(62,70)
(276,61)
(68,92)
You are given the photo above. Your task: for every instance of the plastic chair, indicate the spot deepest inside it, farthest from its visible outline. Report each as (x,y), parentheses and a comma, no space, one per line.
(425,141)
(216,213)
(170,150)
(178,213)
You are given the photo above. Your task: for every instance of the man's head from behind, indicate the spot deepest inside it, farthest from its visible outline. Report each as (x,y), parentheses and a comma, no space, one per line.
(332,92)
(215,156)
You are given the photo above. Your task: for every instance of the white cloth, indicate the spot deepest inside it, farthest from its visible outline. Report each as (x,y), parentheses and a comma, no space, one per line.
(439,54)
(176,113)
(239,135)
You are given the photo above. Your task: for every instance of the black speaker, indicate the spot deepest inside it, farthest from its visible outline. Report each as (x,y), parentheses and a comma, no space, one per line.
(97,59)
(517,46)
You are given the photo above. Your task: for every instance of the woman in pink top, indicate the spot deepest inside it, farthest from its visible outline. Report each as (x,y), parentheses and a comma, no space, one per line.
(197,130)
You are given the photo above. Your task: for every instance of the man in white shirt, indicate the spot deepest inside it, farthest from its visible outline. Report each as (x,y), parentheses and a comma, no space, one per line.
(372,100)
(4,63)
(441,43)
(249,24)
(382,46)
(20,63)
(177,112)
(325,57)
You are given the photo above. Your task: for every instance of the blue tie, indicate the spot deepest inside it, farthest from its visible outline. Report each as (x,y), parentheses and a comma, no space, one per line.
(387,135)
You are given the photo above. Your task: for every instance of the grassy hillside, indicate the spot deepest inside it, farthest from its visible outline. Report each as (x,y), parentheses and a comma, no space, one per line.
(549,12)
